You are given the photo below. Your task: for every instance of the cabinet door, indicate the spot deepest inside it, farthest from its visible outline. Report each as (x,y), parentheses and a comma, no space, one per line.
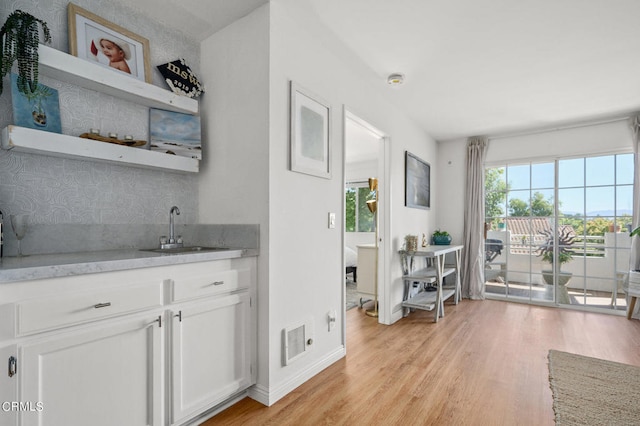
(8,387)
(104,375)
(210,353)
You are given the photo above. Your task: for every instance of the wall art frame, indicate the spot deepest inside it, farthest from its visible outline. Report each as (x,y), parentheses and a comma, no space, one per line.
(417,182)
(97,40)
(175,132)
(310,133)
(38,110)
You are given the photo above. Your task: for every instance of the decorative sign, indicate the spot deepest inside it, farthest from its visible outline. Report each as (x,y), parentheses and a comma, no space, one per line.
(181,79)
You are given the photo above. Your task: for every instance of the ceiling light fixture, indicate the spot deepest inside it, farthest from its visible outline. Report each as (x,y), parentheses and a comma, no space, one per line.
(395,79)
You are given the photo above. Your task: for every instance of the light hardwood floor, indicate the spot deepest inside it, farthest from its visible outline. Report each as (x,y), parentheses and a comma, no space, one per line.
(484,363)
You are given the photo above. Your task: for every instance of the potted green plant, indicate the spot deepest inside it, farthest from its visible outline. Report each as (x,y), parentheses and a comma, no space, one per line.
(441,238)
(565,239)
(19,39)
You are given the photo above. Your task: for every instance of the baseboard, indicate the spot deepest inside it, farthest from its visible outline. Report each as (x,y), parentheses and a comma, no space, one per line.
(397,315)
(271,395)
(206,415)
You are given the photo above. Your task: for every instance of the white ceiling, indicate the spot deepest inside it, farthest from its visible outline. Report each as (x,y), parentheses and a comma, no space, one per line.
(474,67)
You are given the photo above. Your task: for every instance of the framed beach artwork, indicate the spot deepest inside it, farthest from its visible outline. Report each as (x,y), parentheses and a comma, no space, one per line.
(107,44)
(310,134)
(175,133)
(417,187)
(39,109)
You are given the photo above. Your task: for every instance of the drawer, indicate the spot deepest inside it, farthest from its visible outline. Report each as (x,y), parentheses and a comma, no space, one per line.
(50,313)
(215,282)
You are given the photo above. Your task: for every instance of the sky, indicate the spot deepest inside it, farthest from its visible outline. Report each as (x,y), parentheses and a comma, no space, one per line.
(585,185)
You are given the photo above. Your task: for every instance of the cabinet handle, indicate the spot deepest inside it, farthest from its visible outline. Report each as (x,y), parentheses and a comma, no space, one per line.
(217,283)
(159,321)
(12,366)
(179,315)
(102,305)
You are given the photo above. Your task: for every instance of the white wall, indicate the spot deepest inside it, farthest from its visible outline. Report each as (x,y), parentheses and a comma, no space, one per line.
(305,268)
(56,190)
(584,140)
(246,176)
(234,177)
(452,177)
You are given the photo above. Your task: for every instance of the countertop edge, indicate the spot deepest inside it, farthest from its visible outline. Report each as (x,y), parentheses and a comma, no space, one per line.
(65,265)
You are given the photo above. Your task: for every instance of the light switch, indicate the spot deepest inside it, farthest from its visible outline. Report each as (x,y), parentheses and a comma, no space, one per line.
(331,318)
(332,220)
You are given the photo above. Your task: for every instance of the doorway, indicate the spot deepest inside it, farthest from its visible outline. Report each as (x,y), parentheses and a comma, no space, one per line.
(558,231)
(364,158)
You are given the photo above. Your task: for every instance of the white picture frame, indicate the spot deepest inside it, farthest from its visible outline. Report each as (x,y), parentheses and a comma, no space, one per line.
(310,133)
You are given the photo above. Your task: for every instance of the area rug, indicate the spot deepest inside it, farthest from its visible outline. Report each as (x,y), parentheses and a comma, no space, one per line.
(591,391)
(352,295)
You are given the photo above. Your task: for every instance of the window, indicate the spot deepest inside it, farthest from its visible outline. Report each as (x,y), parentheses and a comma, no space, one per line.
(358,218)
(560,230)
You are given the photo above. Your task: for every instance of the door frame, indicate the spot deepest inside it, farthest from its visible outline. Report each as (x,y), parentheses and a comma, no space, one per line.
(384,215)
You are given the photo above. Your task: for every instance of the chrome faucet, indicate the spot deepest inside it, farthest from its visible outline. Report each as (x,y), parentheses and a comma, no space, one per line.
(172,236)
(173,242)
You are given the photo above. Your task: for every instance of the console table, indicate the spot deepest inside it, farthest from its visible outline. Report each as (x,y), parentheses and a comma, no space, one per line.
(434,272)
(633,291)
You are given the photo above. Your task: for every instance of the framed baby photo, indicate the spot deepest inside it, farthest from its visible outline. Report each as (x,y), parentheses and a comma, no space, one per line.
(107,44)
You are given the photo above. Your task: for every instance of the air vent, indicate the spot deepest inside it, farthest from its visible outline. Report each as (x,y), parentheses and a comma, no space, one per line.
(296,341)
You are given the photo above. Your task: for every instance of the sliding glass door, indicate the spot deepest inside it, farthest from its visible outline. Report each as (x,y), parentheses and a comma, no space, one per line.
(557,231)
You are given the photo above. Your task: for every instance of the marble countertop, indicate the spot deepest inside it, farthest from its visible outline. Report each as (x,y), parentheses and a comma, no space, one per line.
(43,266)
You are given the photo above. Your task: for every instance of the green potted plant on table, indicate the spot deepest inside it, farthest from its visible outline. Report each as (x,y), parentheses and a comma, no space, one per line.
(19,38)
(565,239)
(441,238)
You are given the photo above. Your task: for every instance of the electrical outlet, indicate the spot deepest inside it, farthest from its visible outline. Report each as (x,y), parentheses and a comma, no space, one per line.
(332,220)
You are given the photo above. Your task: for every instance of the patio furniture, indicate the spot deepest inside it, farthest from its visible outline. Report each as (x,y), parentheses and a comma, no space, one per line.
(492,249)
(351,262)
(633,291)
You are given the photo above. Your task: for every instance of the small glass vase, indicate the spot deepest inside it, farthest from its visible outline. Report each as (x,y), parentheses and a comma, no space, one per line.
(39,114)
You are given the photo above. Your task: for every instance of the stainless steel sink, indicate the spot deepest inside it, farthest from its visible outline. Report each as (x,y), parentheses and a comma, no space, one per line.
(183,250)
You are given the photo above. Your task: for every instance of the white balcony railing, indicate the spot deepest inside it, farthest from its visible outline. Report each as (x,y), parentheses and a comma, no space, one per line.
(598,261)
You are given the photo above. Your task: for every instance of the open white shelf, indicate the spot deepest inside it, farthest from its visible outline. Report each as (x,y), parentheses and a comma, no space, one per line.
(22,139)
(70,69)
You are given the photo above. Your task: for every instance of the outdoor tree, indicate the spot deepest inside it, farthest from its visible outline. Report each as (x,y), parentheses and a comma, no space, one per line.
(518,208)
(539,206)
(495,189)
(598,226)
(350,209)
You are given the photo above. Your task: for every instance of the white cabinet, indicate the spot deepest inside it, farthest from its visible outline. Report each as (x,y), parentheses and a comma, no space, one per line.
(212,330)
(107,374)
(150,347)
(211,360)
(8,386)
